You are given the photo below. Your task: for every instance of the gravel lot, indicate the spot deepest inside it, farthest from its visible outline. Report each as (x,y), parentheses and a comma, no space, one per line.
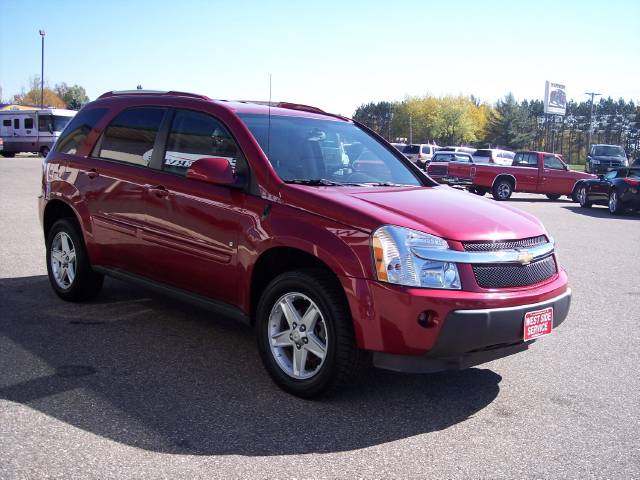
(138,386)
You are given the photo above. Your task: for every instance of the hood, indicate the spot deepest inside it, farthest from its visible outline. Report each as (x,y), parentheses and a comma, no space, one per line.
(441,211)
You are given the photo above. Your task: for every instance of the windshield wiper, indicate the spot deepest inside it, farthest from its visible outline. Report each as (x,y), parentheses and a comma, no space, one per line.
(387,184)
(315,182)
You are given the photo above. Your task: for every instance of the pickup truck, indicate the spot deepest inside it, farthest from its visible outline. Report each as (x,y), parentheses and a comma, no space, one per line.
(531,172)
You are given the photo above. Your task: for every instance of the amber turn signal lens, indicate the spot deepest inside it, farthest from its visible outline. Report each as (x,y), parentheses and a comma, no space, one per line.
(378,255)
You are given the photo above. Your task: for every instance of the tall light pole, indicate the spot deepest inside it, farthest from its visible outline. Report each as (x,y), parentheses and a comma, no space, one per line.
(410,130)
(42,34)
(592,94)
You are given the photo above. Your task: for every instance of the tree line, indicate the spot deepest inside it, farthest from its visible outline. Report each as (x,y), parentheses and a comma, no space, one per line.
(509,124)
(61,95)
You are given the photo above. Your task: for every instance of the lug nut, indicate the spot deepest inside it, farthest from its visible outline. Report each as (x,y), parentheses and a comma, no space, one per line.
(294,325)
(305,340)
(302,328)
(291,336)
(298,346)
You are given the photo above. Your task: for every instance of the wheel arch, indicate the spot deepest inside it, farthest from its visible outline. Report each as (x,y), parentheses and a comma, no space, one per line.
(278,260)
(54,211)
(508,176)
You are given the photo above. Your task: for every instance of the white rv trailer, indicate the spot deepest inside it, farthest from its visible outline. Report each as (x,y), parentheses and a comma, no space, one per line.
(32,130)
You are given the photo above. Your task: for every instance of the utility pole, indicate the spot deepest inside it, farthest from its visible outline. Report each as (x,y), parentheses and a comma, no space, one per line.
(42,34)
(410,130)
(592,94)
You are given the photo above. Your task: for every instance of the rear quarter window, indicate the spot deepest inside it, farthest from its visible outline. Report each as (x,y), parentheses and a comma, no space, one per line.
(77,130)
(131,135)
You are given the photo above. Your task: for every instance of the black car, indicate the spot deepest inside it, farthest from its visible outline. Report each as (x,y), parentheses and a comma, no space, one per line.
(619,189)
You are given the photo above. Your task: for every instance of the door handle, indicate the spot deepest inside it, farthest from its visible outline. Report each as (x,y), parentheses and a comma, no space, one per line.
(159,191)
(93,173)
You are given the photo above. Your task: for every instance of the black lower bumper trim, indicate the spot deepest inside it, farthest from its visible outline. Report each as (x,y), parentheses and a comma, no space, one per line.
(472,337)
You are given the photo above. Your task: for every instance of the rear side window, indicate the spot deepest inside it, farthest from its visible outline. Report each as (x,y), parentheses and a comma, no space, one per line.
(482,153)
(76,130)
(28,123)
(526,160)
(130,136)
(196,135)
(426,149)
(16,123)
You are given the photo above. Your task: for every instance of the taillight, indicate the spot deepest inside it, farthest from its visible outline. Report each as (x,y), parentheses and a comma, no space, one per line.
(631,181)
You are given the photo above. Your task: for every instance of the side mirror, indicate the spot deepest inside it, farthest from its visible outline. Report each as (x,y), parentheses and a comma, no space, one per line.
(213,170)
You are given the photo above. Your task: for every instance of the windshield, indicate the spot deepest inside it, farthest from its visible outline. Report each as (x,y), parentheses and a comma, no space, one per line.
(608,151)
(52,123)
(326,152)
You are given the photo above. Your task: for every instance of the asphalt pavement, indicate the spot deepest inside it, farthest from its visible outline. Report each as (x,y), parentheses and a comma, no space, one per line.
(134,385)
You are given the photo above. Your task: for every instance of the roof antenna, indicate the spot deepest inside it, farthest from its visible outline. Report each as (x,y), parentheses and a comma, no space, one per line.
(269,124)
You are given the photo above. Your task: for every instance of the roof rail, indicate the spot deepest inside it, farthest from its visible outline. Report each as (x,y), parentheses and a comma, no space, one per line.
(115,93)
(288,105)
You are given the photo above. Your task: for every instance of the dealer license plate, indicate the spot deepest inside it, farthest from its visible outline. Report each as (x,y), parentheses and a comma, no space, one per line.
(538,323)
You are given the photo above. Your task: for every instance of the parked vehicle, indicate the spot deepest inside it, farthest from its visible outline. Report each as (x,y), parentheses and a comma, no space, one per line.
(420,154)
(619,189)
(32,131)
(449,167)
(399,146)
(531,172)
(493,155)
(1,144)
(468,150)
(602,158)
(233,206)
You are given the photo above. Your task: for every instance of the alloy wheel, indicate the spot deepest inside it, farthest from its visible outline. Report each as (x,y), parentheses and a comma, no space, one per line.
(63,260)
(297,335)
(504,190)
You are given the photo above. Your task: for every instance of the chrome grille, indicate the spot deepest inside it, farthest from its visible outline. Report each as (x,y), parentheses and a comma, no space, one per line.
(506,275)
(504,244)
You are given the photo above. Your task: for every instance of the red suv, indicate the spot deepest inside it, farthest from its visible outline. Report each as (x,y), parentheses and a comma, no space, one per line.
(305,224)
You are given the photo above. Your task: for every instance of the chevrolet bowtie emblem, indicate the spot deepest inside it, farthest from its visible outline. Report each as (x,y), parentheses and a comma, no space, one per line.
(525,257)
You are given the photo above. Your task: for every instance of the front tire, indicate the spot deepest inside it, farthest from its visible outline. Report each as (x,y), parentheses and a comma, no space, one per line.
(68,267)
(502,190)
(305,334)
(615,205)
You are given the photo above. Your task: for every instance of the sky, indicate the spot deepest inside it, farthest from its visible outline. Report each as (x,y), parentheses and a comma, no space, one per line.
(335,55)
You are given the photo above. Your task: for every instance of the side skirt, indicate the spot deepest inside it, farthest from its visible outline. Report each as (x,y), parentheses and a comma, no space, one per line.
(221,308)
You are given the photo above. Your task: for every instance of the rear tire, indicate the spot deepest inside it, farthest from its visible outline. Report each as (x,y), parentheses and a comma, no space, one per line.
(68,267)
(615,206)
(502,190)
(282,340)
(583,198)
(8,154)
(553,197)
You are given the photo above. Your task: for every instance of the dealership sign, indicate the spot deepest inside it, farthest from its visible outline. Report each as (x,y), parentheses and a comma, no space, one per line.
(555,98)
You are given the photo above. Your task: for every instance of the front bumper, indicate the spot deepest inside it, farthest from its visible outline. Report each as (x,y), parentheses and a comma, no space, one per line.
(604,167)
(472,337)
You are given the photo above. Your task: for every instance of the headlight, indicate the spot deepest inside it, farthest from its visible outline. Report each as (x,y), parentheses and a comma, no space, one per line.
(595,162)
(625,162)
(396,261)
